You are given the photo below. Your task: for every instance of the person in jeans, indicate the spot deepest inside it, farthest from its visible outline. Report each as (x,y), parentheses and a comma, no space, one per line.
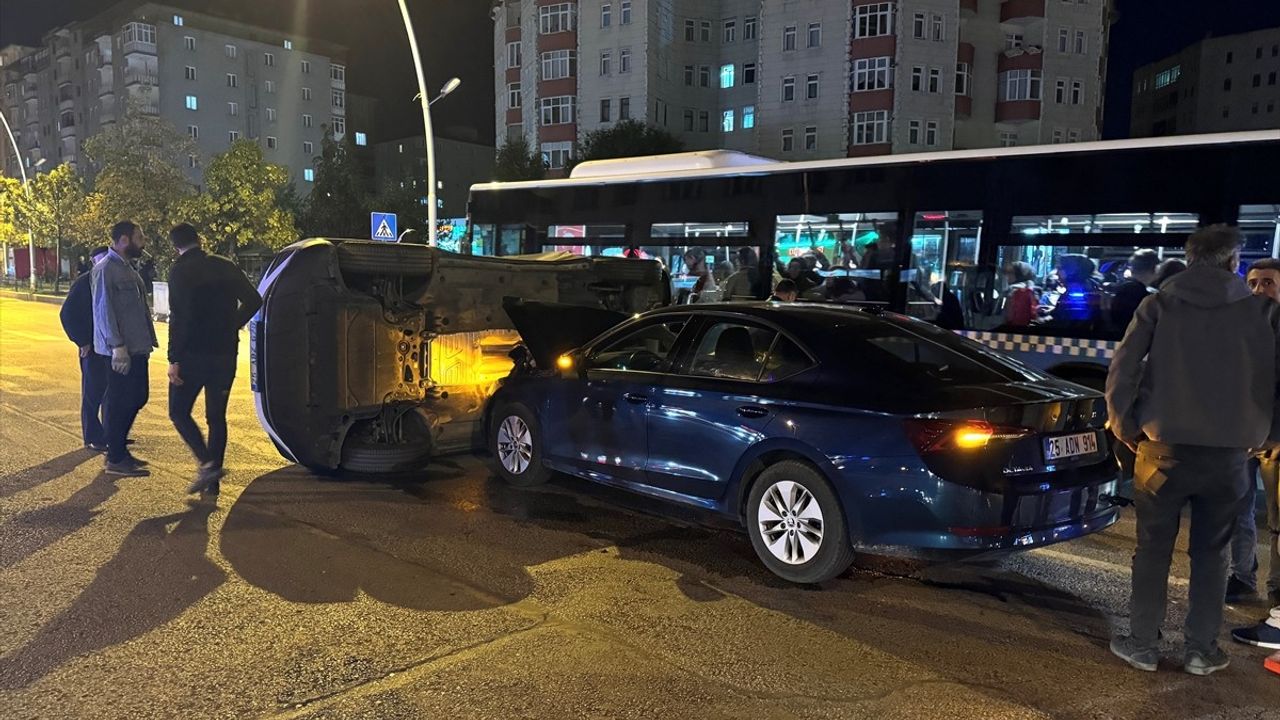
(210,299)
(1192,389)
(122,332)
(1263,279)
(77,322)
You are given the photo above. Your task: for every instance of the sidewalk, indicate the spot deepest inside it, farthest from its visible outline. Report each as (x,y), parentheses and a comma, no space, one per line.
(44,297)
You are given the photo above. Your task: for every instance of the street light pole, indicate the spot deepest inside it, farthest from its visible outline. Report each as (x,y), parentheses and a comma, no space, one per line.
(31,237)
(426,125)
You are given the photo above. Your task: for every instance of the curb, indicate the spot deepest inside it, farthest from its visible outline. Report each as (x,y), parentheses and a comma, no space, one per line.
(32,297)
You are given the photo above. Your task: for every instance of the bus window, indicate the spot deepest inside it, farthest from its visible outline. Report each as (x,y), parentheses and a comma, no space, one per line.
(843,257)
(509,237)
(1260,226)
(483,239)
(944,251)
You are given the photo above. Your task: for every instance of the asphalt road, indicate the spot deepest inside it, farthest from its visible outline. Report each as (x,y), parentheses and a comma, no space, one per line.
(454,596)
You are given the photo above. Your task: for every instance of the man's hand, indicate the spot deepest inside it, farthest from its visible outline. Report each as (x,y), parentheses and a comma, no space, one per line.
(85,350)
(120,360)
(175,376)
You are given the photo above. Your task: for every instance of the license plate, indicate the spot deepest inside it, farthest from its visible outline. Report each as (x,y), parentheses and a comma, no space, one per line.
(253,355)
(1065,446)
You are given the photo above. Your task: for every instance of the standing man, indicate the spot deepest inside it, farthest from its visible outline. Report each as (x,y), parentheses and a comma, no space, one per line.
(1130,292)
(77,323)
(210,299)
(122,332)
(1204,396)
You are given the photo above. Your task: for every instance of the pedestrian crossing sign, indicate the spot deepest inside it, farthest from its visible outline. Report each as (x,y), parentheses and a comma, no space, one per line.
(382,226)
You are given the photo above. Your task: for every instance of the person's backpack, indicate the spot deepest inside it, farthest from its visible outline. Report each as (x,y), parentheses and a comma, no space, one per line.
(1023,307)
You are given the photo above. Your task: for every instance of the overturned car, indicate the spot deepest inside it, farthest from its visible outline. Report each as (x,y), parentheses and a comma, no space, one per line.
(375,357)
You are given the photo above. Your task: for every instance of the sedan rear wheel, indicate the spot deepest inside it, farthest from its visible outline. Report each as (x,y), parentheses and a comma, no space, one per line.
(796,524)
(515,442)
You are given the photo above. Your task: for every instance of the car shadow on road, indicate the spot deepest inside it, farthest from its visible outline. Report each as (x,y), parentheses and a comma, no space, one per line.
(34,530)
(160,570)
(46,471)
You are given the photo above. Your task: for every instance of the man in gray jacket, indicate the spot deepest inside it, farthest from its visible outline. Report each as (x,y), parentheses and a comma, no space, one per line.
(1204,397)
(122,331)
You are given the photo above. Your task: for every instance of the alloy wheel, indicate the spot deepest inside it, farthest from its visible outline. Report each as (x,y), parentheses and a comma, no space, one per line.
(515,445)
(790,522)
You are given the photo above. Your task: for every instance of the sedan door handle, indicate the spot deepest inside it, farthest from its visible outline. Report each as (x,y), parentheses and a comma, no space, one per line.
(752,411)
(635,398)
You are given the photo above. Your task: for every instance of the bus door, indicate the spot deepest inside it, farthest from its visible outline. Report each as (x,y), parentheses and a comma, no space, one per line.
(941,268)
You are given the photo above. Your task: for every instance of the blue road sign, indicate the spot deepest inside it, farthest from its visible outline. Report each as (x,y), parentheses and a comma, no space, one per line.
(382,226)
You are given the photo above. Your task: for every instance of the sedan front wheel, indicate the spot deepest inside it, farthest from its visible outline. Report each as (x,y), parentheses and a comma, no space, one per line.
(515,441)
(796,524)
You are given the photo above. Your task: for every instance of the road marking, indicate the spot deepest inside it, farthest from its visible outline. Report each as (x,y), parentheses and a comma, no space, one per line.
(1096,564)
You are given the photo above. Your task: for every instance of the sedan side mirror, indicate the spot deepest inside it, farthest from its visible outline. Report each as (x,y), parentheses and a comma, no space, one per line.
(572,364)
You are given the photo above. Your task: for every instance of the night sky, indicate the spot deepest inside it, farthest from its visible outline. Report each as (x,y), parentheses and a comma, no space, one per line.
(456,39)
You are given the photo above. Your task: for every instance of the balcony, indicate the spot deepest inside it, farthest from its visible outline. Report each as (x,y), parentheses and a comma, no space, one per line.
(1017,11)
(66,97)
(140,76)
(107,86)
(1025,58)
(138,46)
(1017,111)
(67,131)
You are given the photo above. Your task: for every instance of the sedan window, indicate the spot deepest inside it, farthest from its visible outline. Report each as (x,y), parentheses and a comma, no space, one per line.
(643,350)
(732,350)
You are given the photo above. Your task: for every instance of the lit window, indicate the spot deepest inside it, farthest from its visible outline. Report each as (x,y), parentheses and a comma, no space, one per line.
(193,103)
(748,117)
(177,20)
(288,44)
(309,175)
(726,75)
(1170,76)
(726,121)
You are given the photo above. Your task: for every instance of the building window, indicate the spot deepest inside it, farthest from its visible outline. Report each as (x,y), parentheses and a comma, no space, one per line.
(288,44)
(964,76)
(750,28)
(306,120)
(309,175)
(233,108)
(232,81)
(308,148)
(873,20)
(606,59)
(937,28)
(788,89)
(726,121)
(189,73)
(557,110)
(704,76)
(730,31)
(624,108)
(1226,112)
(1008,139)
(704,121)
(605,108)
(935,80)
(1057,136)
(690,30)
(1081,46)
(513,54)
(339,125)
(270,86)
(230,50)
(1257,80)
(513,96)
(815,35)
(811,138)
(556,155)
(788,140)
(1073,135)
(1060,91)
(688,75)
(748,73)
(1064,40)
(913,132)
(1226,85)
(1012,41)
(1077,92)
(192,160)
(193,131)
(811,87)
(748,117)
(726,75)
(306,93)
(624,61)
(931,133)
(271,114)
(338,73)
(1020,85)
(704,30)
(233,135)
(338,98)
(917,78)
(872,74)
(190,42)
(919,25)
(192,103)
(1271,78)
(688,120)
(1170,76)
(559,64)
(870,128)
(271,143)
(140,33)
(606,15)
(177,20)
(306,67)
(626,12)
(789,38)
(269,59)
(1229,54)
(362,139)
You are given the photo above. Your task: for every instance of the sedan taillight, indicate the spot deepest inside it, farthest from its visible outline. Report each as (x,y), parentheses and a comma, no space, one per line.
(932,435)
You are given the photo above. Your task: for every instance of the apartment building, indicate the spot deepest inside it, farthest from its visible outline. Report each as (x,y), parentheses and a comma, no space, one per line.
(214,79)
(459,165)
(802,79)
(1218,84)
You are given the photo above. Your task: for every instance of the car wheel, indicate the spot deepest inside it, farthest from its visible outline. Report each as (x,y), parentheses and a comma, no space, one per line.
(796,524)
(515,441)
(370,258)
(382,458)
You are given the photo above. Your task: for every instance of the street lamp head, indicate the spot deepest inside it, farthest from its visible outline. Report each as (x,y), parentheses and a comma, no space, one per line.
(450,86)
(40,162)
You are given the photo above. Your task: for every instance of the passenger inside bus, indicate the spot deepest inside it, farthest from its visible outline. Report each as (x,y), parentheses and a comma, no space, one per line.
(1022,299)
(704,288)
(1166,270)
(1077,296)
(1129,292)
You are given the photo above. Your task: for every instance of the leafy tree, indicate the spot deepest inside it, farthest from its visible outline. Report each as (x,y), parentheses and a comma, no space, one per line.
(239,203)
(517,161)
(338,204)
(10,233)
(51,209)
(407,203)
(628,138)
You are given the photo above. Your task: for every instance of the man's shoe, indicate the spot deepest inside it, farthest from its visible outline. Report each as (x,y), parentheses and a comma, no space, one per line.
(96,447)
(206,478)
(138,461)
(1239,591)
(212,489)
(1201,663)
(127,469)
(1263,635)
(1127,649)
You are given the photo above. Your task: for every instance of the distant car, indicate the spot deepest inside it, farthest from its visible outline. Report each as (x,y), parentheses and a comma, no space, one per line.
(820,428)
(376,357)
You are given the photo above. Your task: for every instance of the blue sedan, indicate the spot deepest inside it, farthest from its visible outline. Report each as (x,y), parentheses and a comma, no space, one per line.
(821,429)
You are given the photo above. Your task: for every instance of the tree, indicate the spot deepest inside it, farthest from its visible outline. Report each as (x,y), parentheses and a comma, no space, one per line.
(409,205)
(338,204)
(629,138)
(517,161)
(10,233)
(239,204)
(51,209)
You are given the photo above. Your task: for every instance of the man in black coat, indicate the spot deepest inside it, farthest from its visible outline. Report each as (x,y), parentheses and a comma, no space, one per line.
(77,323)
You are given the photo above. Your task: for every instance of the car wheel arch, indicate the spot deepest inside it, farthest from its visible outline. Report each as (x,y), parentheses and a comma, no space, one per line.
(767,453)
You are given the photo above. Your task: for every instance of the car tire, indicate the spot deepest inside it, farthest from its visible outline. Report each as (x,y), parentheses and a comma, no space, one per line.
(380,458)
(514,424)
(372,258)
(805,507)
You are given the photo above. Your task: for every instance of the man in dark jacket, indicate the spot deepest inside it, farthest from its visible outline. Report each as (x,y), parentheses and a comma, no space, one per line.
(210,299)
(77,323)
(1192,389)
(1134,289)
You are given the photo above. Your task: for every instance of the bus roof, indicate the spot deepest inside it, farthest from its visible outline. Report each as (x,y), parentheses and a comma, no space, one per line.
(651,169)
